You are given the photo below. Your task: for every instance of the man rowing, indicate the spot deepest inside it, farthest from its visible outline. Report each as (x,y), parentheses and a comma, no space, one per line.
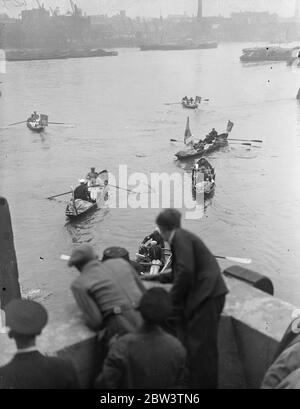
(82,192)
(92,176)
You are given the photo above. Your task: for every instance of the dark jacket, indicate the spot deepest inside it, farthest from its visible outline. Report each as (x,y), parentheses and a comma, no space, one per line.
(82,192)
(149,359)
(106,286)
(32,370)
(196,273)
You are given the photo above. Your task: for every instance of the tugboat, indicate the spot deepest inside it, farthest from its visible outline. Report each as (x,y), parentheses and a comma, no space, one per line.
(37,122)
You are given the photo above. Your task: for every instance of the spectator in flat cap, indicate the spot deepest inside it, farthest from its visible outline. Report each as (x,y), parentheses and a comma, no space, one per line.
(29,369)
(198,297)
(120,252)
(150,358)
(107,294)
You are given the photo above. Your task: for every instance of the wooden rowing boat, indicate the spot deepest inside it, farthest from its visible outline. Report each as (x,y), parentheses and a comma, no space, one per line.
(77,208)
(203,178)
(220,142)
(153,256)
(189,105)
(37,123)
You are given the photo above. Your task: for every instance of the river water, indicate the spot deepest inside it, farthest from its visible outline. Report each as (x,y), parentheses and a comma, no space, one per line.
(116,114)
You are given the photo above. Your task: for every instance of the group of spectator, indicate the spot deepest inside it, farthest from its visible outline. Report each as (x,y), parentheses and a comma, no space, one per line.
(146,338)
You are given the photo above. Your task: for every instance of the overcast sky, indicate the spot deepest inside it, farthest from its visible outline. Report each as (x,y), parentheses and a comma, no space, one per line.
(154,8)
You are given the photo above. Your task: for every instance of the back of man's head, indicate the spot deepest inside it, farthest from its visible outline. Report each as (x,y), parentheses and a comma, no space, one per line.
(81,256)
(155,305)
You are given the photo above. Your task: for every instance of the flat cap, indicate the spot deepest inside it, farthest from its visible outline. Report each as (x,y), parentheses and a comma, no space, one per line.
(26,317)
(115,252)
(82,254)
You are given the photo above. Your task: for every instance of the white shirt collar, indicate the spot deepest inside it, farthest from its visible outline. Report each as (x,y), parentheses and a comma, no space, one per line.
(25,350)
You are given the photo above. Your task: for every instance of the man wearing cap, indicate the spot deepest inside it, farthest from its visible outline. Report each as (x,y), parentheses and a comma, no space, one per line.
(150,358)
(106,292)
(82,191)
(198,296)
(29,369)
(120,252)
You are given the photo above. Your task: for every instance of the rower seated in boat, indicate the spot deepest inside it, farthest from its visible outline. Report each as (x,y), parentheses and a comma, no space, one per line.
(34,117)
(92,176)
(199,145)
(82,191)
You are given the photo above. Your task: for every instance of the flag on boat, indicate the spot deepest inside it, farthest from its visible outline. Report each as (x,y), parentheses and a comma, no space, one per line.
(198,99)
(44,120)
(229,126)
(188,137)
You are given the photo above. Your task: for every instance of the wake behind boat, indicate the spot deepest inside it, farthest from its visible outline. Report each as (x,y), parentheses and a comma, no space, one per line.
(89,195)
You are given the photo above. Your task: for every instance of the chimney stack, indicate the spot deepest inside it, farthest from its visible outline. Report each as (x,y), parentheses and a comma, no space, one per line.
(199,15)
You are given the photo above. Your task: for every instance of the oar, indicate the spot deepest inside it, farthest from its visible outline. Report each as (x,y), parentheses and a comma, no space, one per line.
(248,144)
(61,194)
(245,140)
(175,140)
(58,123)
(236,259)
(17,123)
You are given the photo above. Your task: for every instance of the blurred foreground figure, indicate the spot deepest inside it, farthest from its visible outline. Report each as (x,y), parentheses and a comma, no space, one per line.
(198,296)
(151,358)
(29,369)
(284,373)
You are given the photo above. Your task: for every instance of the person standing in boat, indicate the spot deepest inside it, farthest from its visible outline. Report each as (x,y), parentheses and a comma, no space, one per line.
(82,191)
(198,296)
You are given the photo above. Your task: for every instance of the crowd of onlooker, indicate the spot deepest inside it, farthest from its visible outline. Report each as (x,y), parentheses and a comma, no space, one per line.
(145,338)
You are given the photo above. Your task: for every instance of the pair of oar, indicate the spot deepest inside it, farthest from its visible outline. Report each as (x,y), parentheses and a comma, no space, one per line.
(108,184)
(52,123)
(230,139)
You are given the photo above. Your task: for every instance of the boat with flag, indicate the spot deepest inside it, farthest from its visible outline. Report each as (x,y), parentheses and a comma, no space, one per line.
(37,122)
(203,148)
(98,193)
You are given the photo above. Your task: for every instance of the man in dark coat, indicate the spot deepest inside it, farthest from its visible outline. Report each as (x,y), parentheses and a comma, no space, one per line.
(198,296)
(149,359)
(29,369)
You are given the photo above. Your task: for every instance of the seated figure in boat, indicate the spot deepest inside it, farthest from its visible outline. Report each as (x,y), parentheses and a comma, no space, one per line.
(191,100)
(92,176)
(185,99)
(199,145)
(35,116)
(82,191)
(152,247)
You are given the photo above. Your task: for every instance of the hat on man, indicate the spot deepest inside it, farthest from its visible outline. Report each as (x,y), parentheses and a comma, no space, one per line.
(120,252)
(81,255)
(81,181)
(115,252)
(25,317)
(155,305)
(93,168)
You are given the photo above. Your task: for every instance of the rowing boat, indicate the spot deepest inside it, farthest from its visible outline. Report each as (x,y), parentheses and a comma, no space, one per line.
(153,256)
(37,123)
(220,142)
(203,178)
(189,105)
(76,208)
